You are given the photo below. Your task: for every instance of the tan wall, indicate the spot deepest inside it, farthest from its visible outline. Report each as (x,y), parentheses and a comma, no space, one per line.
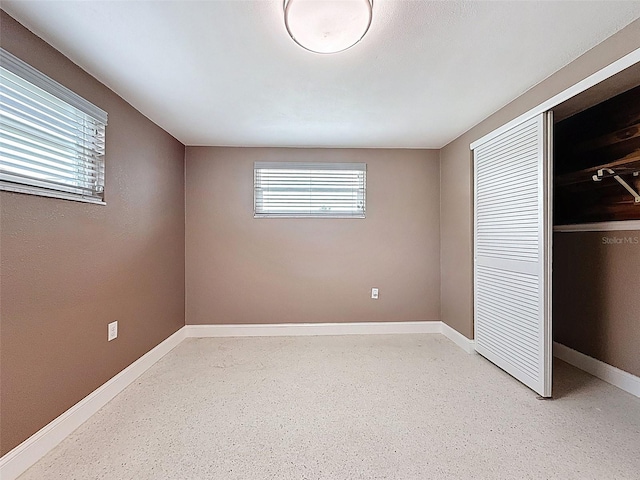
(70,268)
(596,308)
(456,241)
(246,270)
(456,172)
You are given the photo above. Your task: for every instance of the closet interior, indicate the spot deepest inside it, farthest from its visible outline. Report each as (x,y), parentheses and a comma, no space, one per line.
(596,210)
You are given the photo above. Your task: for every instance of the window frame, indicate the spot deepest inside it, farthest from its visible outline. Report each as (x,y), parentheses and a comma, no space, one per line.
(356,185)
(88,136)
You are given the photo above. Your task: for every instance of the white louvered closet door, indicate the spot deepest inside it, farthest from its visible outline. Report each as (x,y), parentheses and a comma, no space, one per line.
(512,243)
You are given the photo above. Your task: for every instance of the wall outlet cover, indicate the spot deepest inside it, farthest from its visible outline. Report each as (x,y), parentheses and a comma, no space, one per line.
(113,331)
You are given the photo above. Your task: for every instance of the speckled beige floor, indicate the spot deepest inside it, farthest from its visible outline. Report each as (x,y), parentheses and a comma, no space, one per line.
(353,407)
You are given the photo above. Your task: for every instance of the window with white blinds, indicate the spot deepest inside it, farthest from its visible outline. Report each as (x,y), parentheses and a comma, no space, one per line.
(332,190)
(52,141)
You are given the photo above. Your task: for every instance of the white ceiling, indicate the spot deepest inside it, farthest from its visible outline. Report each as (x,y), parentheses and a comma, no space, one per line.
(226,72)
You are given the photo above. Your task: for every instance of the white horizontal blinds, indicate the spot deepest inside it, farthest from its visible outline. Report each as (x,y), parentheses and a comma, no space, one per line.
(512,326)
(310,189)
(50,138)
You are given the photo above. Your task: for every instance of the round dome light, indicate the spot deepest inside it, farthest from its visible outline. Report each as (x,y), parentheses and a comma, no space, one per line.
(327,26)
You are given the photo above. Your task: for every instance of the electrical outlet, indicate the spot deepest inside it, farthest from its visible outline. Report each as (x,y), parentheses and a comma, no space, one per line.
(113,330)
(374,293)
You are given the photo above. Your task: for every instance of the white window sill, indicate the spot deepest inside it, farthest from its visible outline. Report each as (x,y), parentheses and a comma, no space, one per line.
(43,192)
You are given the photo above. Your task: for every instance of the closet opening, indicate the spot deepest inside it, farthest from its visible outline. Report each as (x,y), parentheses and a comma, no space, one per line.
(596,212)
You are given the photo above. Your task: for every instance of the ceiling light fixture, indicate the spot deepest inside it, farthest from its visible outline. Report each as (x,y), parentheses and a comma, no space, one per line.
(327,26)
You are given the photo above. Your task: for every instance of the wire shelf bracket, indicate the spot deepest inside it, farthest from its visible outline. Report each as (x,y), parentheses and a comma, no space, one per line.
(602,173)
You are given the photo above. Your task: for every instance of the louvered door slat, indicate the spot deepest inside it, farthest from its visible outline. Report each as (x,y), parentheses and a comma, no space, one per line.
(512,252)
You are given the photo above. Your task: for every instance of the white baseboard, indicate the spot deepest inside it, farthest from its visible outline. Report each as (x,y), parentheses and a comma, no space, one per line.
(456,337)
(610,374)
(16,461)
(306,329)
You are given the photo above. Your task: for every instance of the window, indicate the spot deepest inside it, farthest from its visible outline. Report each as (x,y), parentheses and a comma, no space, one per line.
(51,139)
(335,190)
